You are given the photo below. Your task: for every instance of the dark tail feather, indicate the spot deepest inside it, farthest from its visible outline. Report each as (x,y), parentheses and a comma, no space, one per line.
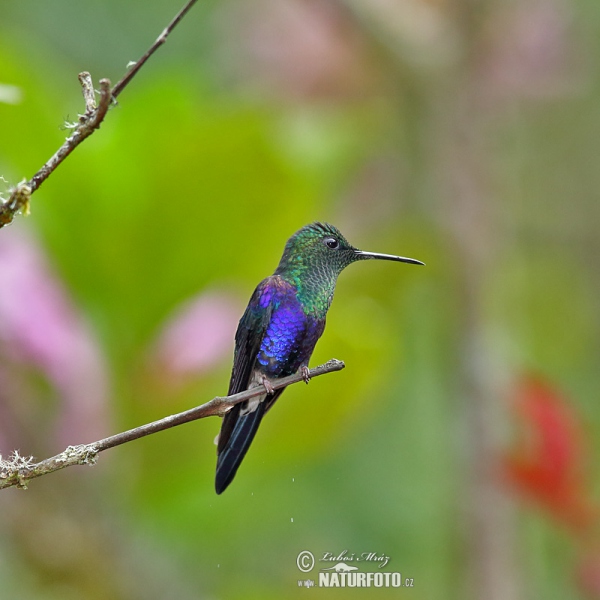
(237,433)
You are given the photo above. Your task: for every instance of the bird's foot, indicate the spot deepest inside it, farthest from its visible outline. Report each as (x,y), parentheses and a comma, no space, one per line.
(268,385)
(305,373)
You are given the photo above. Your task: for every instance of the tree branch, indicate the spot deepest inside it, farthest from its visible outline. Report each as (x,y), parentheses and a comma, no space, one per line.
(17,471)
(160,40)
(88,123)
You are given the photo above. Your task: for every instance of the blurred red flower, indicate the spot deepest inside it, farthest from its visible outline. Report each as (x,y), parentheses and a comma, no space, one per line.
(548,463)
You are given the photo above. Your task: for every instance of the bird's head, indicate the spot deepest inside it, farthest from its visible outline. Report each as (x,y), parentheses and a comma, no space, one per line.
(320,250)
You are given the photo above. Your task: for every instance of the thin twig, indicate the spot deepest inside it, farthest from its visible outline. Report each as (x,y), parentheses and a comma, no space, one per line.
(17,471)
(87,87)
(160,40)
(87,124)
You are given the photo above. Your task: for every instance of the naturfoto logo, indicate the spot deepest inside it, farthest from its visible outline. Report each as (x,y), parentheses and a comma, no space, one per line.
(343,574)
(376,557)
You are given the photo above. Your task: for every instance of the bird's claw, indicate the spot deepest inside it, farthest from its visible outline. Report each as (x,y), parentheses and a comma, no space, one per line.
(305,373)
(268,385)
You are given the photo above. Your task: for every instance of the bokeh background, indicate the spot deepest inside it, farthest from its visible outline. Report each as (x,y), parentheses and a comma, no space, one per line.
(462,438)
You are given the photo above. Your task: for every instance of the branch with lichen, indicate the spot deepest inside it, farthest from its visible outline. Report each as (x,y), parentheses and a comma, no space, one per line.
(18,470)
(88,122)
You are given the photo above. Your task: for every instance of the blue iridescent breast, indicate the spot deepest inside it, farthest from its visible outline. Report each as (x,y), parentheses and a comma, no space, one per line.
(290,336)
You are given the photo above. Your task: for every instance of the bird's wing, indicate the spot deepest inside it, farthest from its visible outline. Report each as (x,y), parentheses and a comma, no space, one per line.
(238,430)
(251,331)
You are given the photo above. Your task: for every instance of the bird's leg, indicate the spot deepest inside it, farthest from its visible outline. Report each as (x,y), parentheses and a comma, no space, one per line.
(268,385)
(305,373)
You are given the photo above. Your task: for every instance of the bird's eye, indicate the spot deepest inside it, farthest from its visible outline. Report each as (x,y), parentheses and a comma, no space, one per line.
(331,243)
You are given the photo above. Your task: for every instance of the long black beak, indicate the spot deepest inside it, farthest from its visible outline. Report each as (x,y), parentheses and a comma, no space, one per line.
(365,255)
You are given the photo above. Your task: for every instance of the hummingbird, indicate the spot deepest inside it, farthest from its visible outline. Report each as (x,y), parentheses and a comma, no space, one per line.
(278,331)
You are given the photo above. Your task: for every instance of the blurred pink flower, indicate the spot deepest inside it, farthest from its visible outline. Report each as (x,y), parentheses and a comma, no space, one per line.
(198,335)
(39,325)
